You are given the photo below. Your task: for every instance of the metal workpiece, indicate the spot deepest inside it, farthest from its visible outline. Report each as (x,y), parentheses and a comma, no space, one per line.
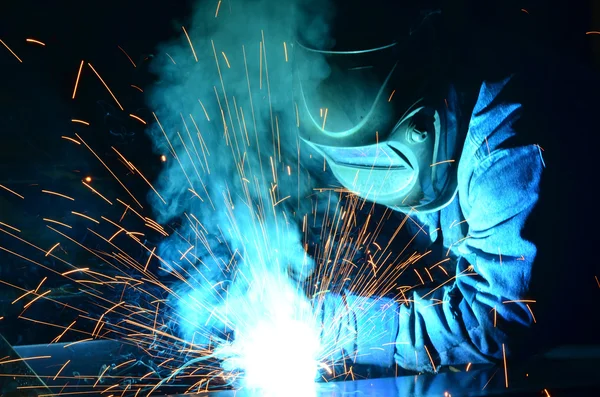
(566,371)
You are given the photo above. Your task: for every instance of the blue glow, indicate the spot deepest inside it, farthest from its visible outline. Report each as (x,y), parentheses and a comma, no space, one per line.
(237,197)
(277,341)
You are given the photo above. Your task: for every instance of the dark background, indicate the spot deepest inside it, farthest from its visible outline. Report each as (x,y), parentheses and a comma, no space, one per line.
(36,106)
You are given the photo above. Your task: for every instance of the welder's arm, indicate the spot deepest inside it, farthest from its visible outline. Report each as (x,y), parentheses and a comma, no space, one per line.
(482,311)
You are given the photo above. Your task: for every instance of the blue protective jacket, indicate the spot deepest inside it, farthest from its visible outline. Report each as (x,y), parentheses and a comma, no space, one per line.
(498,187)
(512,286)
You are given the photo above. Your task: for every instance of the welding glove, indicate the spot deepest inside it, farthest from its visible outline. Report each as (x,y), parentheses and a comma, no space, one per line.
(360,330)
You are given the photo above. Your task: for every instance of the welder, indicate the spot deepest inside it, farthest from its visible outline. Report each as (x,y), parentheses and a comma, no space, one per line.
(483,144)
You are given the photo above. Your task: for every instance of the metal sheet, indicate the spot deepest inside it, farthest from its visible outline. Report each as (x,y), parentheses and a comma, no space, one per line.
(573,369)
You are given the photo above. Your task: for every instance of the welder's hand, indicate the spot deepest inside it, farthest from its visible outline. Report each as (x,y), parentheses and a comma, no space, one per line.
(360,329)
(338,327)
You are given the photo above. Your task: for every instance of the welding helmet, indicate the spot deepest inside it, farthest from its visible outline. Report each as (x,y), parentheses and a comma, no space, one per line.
(370,101)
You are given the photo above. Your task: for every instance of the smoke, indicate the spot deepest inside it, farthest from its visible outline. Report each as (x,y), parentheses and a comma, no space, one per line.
(235,186)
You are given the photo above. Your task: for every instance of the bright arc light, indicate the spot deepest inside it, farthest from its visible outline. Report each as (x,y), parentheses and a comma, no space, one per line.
(276,343)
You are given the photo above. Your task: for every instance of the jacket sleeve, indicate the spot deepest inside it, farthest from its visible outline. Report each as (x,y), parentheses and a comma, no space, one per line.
(484,313)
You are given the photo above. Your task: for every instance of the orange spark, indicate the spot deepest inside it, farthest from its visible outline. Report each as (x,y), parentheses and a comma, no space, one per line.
(97,192)
(80,121)
(11,51)
(106,86)
(137,118)
(58,194)
(547,394)
(520,301)
(76,342)
(51,249)
(60,370)
(525,11)
(391,95)
(111,172)
(163,158)
(57,222)
(35,42)
(285,51)
(430,359)
(11,191)
(71,139)
(505,367)
(84,216)
(88,179)
(140,174)
(441,162)
(218,7)
(468,367)
(24,359)
(10,227)
(127,55)
(531,311)
(36,298)
(190,41)
(101,375)
(593,32)
(77,80)
(137,88)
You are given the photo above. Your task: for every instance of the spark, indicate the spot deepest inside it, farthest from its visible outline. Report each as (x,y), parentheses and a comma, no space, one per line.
(71,139)
(137,118)
(16,360)
(58,194)
(77,342)
(391,95)
(77,81)
(171,58)
(226,60)
(84,216)
(505,367)
(51,249)
(285,51)
(163,158)
(140,174)
(593,32)
(324,119)
(190,41)
(520,301)
(127,55)
(106,86)
(136,87)
(204,109)
(35,42)
(525,11)
(468,367)
(217,10)
(11,51)
(57,222)
(101,375)
(80,121)
(10,227)
(11,191)
(547,393)
(109,170)
(430,359)
(441,162)
(36,298)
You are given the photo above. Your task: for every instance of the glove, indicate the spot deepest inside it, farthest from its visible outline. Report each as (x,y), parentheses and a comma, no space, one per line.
(361,330)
